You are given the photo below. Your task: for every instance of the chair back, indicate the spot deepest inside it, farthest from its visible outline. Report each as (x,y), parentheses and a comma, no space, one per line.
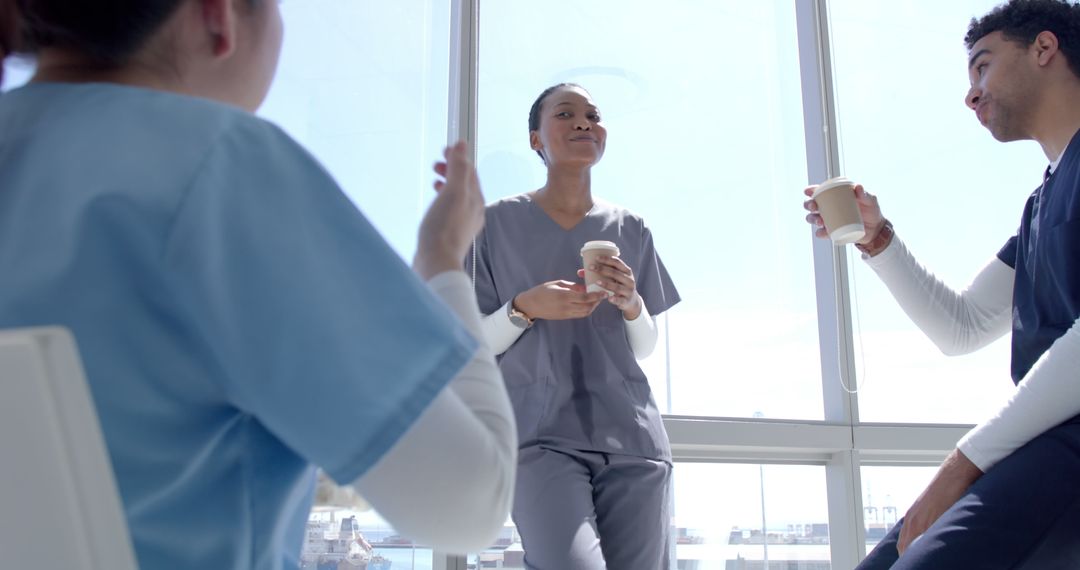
(59,505)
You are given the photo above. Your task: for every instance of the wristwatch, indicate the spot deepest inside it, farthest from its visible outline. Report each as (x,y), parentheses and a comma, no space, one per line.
(879,242)
(520,319)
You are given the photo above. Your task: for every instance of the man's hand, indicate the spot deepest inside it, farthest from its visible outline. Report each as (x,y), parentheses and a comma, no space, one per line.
(872,218)
(952,480)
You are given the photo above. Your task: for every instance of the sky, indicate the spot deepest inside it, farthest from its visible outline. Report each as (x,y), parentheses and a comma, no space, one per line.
(702,103)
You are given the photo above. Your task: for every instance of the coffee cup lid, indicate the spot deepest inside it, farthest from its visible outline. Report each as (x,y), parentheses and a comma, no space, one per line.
(832,183)
(600,244)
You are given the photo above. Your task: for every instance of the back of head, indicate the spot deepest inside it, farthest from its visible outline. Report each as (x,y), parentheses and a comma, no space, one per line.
(104,32)
(1022,20)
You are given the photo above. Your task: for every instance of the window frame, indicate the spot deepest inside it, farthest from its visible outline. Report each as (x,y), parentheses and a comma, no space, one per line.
(841,443)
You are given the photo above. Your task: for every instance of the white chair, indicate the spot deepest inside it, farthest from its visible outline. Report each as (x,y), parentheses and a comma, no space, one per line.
(59,507)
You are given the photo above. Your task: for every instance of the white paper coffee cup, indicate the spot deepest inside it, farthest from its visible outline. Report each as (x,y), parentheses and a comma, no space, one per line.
(839,211)
(589,252)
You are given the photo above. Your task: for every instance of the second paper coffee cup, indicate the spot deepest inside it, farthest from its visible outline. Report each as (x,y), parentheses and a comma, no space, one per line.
(839,211)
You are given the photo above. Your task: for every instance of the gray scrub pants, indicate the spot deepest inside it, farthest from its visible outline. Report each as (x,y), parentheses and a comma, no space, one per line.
(582,510)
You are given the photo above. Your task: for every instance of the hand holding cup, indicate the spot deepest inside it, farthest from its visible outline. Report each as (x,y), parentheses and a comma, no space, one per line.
(869,213)
(604,271)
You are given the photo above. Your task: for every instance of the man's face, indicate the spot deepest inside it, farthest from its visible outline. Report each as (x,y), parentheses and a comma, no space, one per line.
(1003,86)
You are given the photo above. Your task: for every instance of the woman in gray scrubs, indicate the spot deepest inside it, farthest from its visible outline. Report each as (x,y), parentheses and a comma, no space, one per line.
(594,459)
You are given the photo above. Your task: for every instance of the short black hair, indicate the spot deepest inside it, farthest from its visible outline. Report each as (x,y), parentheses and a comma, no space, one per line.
(534,111)
(1022,20)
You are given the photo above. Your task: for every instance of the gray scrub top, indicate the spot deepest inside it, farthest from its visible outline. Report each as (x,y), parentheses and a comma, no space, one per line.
(573,383)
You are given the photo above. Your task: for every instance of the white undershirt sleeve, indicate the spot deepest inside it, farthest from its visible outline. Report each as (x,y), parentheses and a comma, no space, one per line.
(1048,395)
(962,322)
(958,323)
(498,331)
(641,332)
(449,481)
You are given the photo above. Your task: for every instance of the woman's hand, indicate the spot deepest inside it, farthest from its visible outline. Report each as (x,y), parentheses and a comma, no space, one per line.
(454,217)
(872,218)
(558,300)
(617,277)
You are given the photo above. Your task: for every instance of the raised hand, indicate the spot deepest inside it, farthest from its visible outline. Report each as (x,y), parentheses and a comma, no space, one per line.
(454,217)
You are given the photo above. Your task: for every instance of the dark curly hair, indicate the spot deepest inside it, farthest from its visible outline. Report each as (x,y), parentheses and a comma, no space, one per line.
(534,111)
(1021,20)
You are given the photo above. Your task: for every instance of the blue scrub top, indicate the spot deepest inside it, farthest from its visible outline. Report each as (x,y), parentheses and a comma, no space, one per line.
(574,383)
(238,318)
(1045,253)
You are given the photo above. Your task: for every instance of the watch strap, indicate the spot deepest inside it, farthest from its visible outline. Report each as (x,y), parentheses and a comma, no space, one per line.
(880,241)
(518,318)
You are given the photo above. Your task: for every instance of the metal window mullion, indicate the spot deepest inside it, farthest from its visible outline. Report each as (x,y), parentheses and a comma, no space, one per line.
(461,125)
(842,473)
(464,66)
(830,263)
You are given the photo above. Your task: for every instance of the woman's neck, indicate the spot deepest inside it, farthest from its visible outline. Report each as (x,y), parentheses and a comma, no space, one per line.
(567,191)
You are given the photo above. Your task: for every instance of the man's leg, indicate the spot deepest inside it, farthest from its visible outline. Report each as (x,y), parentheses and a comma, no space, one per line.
(632,512)
(1031,497)
(884,555)
(553,510)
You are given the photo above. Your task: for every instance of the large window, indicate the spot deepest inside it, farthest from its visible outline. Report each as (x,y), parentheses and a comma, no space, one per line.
(888,493)
(713,113)
(377,122)
(747,516)
(906,134)
(705,142)
(363,86)
(343,538)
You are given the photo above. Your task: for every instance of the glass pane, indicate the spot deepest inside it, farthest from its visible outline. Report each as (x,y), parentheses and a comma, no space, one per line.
(721,514)
(751,517)
(907,136)
(339,539)
(17,71)
(507,551)
(888,492)
(363,86)
(705,141)
(377,122)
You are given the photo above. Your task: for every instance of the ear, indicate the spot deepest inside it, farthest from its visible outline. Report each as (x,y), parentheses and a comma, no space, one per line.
(1046,46)
(219,19)
(534,140)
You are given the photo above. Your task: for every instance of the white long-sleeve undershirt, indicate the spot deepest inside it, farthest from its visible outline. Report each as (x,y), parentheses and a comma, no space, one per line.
(501,334)
(962,322)
(449,481)
(957,322)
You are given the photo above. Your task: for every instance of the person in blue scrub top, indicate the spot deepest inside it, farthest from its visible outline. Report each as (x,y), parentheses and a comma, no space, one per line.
(594,458)
(1007,496)
(233,308)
